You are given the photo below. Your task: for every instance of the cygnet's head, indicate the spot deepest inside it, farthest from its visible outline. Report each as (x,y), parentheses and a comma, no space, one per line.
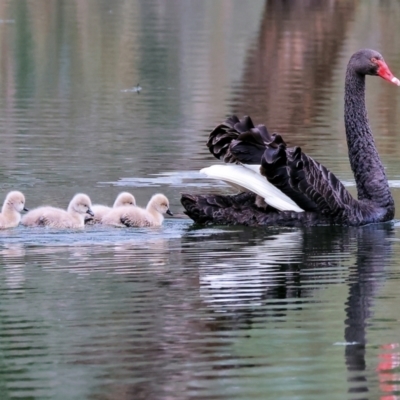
(160,203)
(81,204)
(15,201)
(125,199)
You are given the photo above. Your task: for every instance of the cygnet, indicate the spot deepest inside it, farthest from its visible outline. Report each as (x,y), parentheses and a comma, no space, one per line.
(10,215)
(152,215)
(123,199)
(53,217)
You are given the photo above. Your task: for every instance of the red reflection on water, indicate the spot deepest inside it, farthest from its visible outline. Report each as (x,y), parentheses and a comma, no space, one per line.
(388,379)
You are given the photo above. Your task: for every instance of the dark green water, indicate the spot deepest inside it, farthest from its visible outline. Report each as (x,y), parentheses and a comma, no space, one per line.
(181,312)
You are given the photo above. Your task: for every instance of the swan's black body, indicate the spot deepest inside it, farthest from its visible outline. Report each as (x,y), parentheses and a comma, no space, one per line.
(309,184)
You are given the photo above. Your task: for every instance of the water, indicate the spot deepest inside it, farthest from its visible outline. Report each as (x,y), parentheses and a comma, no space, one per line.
(181,311)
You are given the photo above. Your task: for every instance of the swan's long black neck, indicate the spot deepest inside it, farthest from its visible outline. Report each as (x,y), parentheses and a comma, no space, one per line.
(368,170)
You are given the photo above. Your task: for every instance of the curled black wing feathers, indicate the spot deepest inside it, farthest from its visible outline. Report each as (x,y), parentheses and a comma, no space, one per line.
(312,185)
(278,167)
(220,139)
(307,182)
(238,141)
(325,189)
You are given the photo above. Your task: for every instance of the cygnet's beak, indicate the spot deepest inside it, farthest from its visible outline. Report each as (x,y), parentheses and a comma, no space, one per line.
(169,212)
(25,209)
(90,212)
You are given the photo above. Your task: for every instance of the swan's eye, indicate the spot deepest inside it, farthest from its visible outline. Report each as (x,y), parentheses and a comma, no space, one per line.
(374,60)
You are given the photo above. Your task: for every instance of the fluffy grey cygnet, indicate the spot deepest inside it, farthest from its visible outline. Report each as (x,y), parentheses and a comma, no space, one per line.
(10,215)
(53,217)
(99,210)
(152,215)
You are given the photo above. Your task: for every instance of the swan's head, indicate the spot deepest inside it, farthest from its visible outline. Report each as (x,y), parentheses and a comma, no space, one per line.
(160,203)
(370,62)
(15,201)
(81,204)
(124,199)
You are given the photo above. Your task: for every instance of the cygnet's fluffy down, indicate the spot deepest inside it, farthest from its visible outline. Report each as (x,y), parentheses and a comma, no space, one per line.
(10,215)
(54,217)
(123,199)
(152,215)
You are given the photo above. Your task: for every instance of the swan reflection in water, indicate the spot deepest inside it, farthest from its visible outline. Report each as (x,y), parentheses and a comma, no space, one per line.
(245,277)
(239,293)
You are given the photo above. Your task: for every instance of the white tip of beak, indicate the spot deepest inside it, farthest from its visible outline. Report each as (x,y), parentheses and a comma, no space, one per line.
(395,81)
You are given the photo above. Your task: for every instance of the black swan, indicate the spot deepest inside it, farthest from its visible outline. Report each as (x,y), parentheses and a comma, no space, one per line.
(308,193)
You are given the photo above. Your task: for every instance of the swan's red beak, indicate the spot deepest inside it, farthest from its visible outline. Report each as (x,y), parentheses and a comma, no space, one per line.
(384,72)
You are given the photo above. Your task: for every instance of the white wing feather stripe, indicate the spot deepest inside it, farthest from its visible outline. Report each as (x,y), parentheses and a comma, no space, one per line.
(249,177)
